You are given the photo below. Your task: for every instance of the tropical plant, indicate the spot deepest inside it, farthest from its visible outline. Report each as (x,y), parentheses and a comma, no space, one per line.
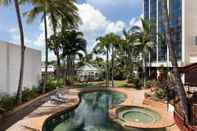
(179,85)
(115,41)
(57,11)
(22,42)
(73,45)
(54,44)
(144,43)
(7,102)
(130,52)
(103,47)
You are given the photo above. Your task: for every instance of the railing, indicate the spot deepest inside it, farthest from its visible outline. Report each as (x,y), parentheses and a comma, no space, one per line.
(193,109)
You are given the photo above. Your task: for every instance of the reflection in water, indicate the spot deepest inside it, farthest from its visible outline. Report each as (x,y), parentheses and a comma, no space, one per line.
(90,115)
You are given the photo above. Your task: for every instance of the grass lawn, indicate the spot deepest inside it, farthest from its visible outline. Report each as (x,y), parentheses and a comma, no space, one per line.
(118,83)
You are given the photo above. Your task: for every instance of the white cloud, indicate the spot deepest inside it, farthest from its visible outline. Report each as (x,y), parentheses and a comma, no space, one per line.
(94,24)
(15,37)
(13,30)
(40,40)
(136,21)
(92,18)
(132,21)
(115,27)
(108,3)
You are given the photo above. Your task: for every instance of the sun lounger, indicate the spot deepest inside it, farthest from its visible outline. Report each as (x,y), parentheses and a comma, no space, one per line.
(58,99)
(63,97)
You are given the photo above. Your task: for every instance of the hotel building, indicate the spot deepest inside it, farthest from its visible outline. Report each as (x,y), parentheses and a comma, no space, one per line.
(183,21)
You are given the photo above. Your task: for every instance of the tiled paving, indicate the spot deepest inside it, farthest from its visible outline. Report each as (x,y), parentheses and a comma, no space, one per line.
(35,120)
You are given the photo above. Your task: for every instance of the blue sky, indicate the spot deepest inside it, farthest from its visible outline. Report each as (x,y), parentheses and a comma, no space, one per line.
(98,16)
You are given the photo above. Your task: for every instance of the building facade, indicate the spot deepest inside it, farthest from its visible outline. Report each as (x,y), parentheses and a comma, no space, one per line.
(88,73)
(183,19)
(10,65)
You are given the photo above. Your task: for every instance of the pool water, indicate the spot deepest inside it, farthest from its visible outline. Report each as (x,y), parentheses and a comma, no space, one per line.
(90,115)
(139,115)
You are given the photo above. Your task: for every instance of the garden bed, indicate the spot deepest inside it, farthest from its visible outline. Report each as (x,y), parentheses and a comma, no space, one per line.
(12,116)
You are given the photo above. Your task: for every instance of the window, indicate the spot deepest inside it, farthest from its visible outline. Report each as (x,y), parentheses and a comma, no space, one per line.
(195,40)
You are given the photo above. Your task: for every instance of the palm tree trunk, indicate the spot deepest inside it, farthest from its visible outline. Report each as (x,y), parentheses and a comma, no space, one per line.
(56,49)
(20,83)
(144,70)
(112,77)
(66,73)
(179,85)
(46,54)
(107,69)
(58,60)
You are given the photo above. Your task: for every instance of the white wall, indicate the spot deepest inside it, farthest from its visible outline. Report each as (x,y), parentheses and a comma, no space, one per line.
(190,30)
(10,66)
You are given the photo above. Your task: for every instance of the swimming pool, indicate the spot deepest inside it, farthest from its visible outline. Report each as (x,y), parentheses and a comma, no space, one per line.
(90,115)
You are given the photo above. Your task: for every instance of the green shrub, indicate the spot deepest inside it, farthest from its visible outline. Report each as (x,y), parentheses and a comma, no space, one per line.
(136,81)
(124,85)
(7,102)
(29,94)
(160,94)
(146,95)
(53,83)
(130,79)
(148,84)
(87,85)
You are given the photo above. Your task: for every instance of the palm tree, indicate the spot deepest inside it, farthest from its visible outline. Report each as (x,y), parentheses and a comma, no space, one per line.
(20,26)
(54,44)
(73,45)
(143,42)
(178,81)
(130,52)
(103,47)
(115,40)
(57,11)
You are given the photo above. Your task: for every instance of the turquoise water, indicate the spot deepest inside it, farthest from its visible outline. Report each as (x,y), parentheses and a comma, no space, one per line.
(90,115)
(139,115)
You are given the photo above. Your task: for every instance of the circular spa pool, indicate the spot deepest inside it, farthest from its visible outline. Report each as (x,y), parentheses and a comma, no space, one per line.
(138,115)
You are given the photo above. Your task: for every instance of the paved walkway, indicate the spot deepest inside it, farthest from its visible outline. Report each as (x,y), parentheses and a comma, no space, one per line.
(35,120)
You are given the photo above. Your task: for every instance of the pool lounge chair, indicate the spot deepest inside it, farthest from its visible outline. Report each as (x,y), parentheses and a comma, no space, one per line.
(61,96)
(58,99)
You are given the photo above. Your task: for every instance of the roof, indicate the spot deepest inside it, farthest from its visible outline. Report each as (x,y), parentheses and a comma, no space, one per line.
(49,69)
(88,67)
(188,68)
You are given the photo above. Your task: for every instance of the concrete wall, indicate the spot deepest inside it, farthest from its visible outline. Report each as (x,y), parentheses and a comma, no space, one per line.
(10,65)
(189,30)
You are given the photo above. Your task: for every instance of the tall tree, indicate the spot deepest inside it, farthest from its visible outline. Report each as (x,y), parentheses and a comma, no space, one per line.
(130,52)
(20,26)
(173,58)
(55,11)
(144,43)
(114,41)
(54,43)
(103,47)
(73,44)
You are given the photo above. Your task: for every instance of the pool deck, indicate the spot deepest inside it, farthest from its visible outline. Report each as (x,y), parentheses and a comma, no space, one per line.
(35,120)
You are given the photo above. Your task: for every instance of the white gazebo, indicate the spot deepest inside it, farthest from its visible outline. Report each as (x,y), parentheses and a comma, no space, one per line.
(88,73)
